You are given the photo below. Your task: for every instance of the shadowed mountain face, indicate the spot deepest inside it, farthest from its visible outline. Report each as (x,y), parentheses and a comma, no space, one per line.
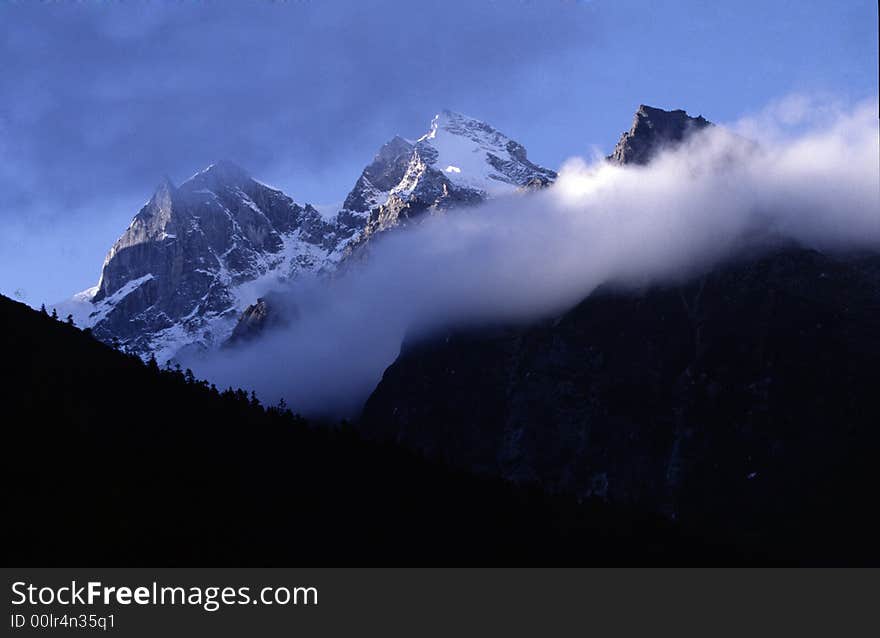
(743,400)
(114,462)
(653,130)
(172,278)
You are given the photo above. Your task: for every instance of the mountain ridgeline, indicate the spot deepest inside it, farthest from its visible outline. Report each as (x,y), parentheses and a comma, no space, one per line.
(176,268)
(459,162)
(182,275)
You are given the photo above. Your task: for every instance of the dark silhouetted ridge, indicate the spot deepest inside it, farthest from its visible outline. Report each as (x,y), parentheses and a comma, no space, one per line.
(110,460)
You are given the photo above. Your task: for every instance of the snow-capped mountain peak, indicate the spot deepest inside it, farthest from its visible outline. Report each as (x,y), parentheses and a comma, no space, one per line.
(459,161)
(474,155)
(220,174)
(453,123)
(196,255)
(175,276)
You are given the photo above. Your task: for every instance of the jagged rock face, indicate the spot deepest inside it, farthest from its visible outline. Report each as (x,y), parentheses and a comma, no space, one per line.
(460,161)
(537,183)
(653,130)
(267,313)
(173,278)
(382,175)
(177,266)
(372,188)
(736,397)
(252,321)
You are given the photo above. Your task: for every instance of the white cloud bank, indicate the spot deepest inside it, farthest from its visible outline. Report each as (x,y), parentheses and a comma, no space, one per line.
(527,256)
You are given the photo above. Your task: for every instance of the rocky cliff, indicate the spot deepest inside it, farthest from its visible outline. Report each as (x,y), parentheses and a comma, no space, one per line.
(173,278)
(652,131)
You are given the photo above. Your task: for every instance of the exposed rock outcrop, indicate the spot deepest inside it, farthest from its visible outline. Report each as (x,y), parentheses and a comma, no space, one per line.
(652,131)
(172,278)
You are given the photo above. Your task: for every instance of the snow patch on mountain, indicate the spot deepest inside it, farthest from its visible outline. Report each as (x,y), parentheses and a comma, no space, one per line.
(106,305)
(476,156)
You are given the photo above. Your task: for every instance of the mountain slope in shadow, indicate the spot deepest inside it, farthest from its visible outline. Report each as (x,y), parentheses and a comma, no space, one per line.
(112,461)
(743,402)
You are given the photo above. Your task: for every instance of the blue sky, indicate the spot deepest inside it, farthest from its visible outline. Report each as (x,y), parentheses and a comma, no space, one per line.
(98,100)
